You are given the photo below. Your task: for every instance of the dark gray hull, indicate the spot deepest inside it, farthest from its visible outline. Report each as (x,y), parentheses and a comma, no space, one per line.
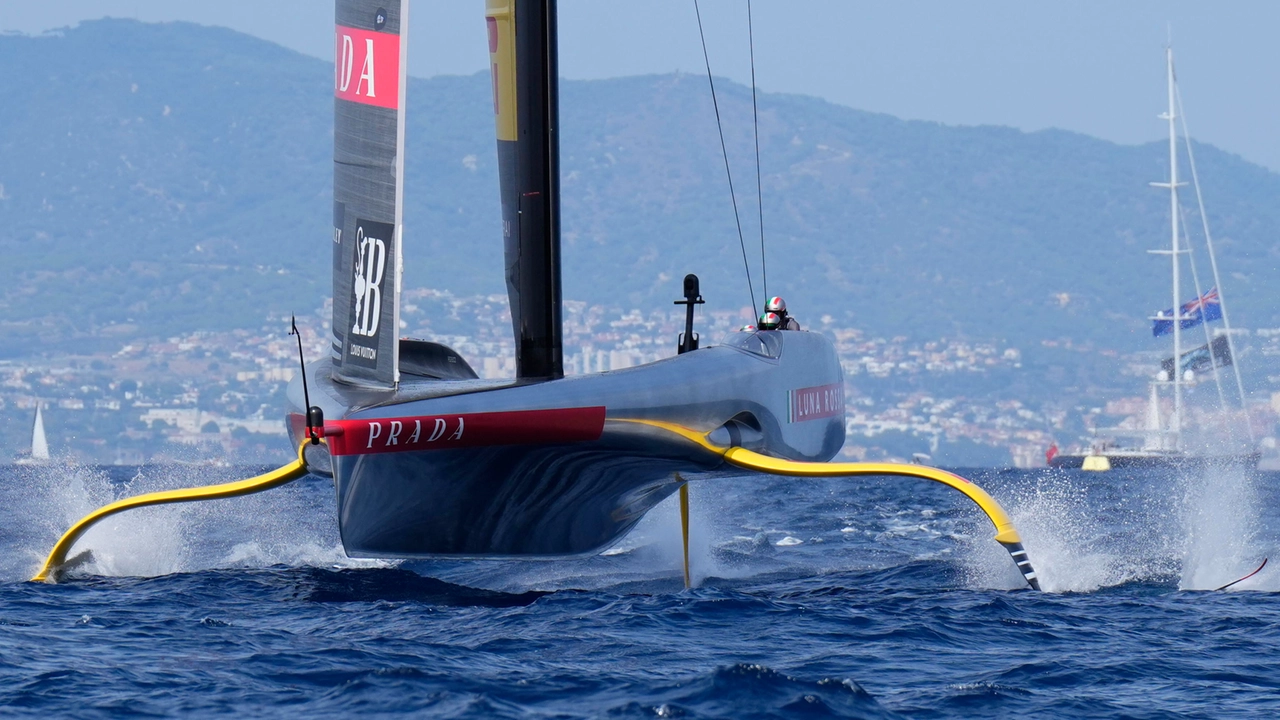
(518,490)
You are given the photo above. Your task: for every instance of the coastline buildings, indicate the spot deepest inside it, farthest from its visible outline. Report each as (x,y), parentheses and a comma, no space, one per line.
(219,394)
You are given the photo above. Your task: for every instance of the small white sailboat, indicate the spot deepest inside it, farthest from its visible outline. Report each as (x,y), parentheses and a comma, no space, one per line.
(39,443)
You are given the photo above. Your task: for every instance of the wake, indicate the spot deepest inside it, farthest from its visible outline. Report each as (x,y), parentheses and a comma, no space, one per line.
(1194,531)
(1084,533)
(292,525)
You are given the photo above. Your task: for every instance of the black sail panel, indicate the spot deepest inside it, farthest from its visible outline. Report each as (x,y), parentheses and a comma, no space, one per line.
(522,50)
(368,172)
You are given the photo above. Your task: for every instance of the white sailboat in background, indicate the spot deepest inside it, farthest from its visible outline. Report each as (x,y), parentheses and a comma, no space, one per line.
(39,443)
(1161,441)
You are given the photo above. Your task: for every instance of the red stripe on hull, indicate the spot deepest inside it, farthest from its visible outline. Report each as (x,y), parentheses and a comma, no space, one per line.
(446,432)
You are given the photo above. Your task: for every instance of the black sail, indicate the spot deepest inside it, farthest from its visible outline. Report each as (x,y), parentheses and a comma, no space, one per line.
(522,49)
(368,172)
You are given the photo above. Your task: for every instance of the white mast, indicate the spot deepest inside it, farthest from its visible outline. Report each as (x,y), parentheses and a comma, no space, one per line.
(1176,425)
(1175,422)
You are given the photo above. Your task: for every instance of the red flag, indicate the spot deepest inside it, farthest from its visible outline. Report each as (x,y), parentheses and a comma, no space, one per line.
(1051,453)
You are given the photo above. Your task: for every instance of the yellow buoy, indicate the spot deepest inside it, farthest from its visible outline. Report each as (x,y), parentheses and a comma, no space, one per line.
(1096,463)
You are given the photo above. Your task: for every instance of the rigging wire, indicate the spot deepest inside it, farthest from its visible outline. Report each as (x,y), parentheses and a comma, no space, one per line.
(724,149)
(1208,339)
(755,127)
(1213,261)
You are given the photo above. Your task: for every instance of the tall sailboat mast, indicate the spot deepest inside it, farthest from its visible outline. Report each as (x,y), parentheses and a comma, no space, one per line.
(1176,425)
(526,106)
(1175,422)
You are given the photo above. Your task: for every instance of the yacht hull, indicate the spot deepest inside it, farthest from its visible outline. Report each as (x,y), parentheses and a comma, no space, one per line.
(1179,461)
(465,468)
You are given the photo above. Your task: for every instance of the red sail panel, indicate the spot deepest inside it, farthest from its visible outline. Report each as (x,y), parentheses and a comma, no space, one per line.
(367,67)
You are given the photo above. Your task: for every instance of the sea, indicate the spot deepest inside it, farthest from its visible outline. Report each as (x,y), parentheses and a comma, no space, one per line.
(840,598)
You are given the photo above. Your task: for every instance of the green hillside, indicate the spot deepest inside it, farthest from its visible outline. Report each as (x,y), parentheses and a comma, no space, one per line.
(163,177)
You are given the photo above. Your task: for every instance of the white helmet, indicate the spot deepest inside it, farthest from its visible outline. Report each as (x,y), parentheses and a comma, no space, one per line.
(776,305)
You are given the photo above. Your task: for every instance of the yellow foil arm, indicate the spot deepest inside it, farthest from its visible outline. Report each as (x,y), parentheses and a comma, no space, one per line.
(275,478)
(1006,534)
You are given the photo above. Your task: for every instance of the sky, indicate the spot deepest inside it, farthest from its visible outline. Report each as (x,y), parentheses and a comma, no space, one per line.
(1090,66)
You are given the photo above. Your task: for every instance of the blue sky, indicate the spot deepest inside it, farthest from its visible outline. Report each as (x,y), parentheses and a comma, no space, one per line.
(1090,66)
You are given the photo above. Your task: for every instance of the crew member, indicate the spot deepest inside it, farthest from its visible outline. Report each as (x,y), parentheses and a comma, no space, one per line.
(779,306)
(770,321)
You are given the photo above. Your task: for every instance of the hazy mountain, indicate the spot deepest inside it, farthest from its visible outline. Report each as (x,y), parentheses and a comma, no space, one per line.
(157,177)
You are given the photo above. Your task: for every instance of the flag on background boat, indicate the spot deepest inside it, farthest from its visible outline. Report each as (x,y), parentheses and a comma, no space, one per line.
(1201,359)
(1205,308)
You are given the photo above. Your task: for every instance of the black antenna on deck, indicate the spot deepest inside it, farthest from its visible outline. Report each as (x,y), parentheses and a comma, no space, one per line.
(689,339)
(315,416)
